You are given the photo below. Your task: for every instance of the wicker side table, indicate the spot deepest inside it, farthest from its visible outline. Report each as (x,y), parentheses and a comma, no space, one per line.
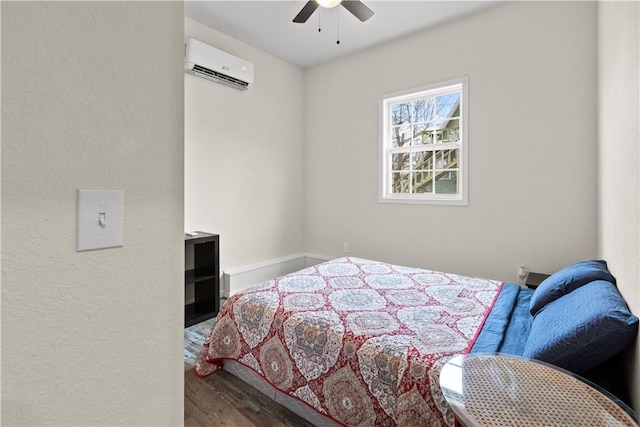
(501,390)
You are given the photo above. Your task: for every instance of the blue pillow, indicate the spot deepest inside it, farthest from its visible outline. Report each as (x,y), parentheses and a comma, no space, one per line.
(567,280)
(583,328)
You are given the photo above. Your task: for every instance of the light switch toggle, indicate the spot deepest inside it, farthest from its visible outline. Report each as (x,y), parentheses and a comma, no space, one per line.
(93,232)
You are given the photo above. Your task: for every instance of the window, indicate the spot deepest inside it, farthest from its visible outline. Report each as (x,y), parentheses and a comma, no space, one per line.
(423,145)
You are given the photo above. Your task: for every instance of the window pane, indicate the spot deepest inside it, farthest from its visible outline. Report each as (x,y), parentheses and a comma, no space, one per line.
(447,159)
(426,133)
(400,135)
(400,183)
(447,182)
(423,110)
(422,182)
(399,113)
(400,162)
(451,133)
(420,134)
(422,160)
(447,105)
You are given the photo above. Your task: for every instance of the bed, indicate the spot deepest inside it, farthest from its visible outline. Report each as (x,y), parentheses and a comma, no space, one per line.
(361,343)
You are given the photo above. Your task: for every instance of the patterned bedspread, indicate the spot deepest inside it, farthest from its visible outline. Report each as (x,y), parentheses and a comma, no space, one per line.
(360,341)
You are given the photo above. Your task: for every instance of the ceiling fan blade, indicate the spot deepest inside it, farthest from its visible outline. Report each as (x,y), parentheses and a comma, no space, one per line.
(306,12)
(358,9)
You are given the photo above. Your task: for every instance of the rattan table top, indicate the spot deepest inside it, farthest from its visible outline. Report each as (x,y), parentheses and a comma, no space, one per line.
(501,390)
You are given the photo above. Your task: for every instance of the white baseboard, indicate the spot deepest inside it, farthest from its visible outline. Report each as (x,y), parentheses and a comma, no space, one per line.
(238,279)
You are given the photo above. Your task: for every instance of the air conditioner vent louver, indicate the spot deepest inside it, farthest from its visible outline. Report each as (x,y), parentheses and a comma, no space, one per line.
(214,75)
(215,65)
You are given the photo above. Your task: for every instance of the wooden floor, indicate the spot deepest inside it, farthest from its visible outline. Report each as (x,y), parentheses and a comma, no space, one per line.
(194,336)
(223,400)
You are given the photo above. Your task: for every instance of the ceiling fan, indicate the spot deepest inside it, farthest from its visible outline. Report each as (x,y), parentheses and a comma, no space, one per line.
(356,7)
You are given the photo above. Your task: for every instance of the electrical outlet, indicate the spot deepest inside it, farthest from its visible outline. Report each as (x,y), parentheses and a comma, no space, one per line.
(345,246)
(521,275)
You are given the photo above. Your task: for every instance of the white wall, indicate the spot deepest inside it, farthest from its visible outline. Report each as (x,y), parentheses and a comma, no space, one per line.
(618,153)
(92,97)
(532,142)
(243,156)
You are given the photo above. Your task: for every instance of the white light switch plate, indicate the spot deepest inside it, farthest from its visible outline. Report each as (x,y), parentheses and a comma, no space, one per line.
(100,219)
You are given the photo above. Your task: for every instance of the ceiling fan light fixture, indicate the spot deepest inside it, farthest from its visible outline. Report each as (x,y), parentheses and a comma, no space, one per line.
(328,3)
(356,7)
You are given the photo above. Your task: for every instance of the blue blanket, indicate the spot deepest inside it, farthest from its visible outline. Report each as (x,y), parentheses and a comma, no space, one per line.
(507,327)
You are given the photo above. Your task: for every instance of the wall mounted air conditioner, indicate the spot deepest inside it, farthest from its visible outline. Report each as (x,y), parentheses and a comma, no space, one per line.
(213,64)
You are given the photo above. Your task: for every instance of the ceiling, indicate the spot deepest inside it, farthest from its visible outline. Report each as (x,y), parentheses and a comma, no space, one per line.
(267,25)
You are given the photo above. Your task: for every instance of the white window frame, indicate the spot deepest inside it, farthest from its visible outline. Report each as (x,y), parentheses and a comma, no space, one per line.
(386,101)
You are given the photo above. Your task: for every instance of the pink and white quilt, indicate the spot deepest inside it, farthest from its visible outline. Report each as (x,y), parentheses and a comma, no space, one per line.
(360,341)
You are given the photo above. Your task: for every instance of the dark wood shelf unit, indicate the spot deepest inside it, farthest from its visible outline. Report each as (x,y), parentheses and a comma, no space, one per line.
(205,277)
(191,276)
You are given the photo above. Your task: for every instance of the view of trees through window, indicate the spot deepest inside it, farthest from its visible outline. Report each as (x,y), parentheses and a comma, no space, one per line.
(425,125)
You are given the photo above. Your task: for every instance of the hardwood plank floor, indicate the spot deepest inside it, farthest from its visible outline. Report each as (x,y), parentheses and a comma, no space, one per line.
(222,399)
(194,336)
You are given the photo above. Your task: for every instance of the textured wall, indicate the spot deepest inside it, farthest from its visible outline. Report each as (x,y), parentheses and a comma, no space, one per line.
(619,156)
(92,97)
